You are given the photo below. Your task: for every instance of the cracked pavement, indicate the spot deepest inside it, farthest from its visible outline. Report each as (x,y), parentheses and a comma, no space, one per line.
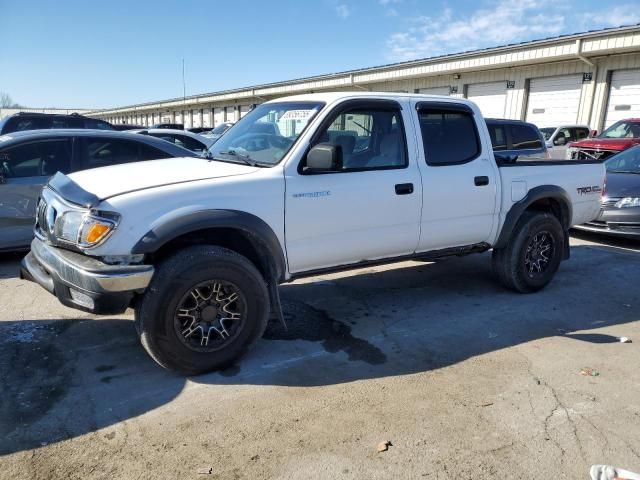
(467,381)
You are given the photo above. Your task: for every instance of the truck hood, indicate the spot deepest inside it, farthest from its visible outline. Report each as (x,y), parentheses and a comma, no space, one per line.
(617,144)
(107,182)
(623,185)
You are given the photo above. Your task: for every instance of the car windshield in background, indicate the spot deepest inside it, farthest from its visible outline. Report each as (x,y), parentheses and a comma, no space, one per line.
(547,132)
(622,130)
(265,135)
(627,161)
(220,129)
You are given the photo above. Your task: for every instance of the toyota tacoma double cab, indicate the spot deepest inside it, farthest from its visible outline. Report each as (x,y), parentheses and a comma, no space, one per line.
(299,186)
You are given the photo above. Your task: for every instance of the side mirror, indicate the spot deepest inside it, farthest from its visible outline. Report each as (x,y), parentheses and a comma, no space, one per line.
(505,158)
(324,157)
(560,141)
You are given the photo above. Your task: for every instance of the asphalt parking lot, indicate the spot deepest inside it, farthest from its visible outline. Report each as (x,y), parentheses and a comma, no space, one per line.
(465,379)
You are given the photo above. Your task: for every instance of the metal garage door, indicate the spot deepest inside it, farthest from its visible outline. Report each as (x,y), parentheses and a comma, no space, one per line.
(490,97)
(230,114)
(206,118)
(218,116)
(624,96)
(197,118)
(554,101)
(435,91)
(244,109)
(186,115)
(178,117)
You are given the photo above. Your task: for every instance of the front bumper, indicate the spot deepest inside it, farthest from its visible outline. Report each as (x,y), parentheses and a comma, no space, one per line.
(623,222)
(84,282)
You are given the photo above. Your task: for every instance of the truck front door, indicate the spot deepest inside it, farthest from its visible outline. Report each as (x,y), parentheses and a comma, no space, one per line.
(368,208)
(459,176)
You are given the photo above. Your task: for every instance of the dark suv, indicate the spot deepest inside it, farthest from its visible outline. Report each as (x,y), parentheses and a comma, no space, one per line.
(22,121)
(515,140)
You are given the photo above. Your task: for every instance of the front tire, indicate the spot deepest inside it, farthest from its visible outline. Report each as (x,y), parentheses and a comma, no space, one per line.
(533,255)
(204,308)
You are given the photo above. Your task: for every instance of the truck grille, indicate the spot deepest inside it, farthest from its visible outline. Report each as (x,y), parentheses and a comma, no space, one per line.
(41,218)
(592,154)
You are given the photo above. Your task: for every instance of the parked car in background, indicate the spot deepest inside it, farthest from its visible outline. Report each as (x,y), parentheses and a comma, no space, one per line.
(21,121)
(515,138)
(217,132)
(199,130)
(170,126)
(191,141)
(620,213)
(121,127)
(618,137)
(558,139)
(28,159)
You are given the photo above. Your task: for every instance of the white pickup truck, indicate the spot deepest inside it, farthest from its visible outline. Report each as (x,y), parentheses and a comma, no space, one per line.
(300,185)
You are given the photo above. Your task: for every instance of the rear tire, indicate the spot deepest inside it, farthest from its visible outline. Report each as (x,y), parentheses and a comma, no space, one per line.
(533,255)
(204,308)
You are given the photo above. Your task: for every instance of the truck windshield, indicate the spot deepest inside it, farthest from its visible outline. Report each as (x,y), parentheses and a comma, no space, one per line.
(622,129)
(547,132)
(265,135)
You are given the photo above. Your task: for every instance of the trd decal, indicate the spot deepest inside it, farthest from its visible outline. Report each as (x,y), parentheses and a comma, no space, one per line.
(589,190)
(324,193)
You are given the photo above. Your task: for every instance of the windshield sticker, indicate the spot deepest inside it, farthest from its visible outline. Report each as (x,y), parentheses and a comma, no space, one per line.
(297,114)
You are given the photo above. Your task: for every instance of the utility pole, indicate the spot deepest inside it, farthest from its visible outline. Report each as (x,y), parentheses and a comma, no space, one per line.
(184,85)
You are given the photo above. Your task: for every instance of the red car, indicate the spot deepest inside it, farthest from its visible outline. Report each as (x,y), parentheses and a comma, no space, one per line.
(619,136)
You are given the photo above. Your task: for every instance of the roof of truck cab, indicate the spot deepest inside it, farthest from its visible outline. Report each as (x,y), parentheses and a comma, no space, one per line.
(330,97)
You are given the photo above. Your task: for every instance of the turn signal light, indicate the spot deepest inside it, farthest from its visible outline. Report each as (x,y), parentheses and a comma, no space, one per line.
(96,232)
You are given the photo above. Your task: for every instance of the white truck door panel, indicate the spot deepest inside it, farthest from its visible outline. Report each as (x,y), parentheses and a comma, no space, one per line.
(459,176)
(364,211)
(342,218)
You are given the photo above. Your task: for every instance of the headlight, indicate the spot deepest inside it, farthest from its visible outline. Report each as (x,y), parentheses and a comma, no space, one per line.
(628,202)
(568,153)
(85,229)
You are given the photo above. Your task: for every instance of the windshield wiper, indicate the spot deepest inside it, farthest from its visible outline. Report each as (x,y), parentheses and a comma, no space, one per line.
(636,172)
(241,156)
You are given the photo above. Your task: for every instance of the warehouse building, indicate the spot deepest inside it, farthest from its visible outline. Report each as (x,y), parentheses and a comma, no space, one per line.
(590,78)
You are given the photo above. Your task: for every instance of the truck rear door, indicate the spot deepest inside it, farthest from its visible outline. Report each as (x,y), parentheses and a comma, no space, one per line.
(369,208)
(459,176)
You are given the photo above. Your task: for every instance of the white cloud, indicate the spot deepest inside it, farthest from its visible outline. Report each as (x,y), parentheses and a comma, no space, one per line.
(385,3)
(497,22)
(343,11)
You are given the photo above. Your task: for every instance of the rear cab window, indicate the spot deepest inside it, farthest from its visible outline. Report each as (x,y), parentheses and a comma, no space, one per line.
(449,135)
(525,137)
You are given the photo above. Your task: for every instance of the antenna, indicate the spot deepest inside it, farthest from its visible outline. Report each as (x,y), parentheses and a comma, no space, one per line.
(184,85)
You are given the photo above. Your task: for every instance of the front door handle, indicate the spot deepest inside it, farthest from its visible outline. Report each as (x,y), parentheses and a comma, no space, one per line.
(481,181)
(404,188)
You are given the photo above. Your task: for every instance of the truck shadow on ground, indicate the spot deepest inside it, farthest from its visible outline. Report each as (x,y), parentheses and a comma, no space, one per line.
(64,378)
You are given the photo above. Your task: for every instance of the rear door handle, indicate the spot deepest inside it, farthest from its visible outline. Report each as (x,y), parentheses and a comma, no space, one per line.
(481,181)
(404,188)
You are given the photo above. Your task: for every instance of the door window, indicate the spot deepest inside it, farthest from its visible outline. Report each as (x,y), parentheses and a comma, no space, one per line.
(66,122)
(370,139)
(36,159)
(101,152)
(449,137)
(21,123)
(567,133)
(581,133)
(186,142)
(524,137)
(498,137)
(148,152)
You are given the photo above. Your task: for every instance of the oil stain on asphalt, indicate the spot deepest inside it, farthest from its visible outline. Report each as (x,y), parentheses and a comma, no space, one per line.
(305,322)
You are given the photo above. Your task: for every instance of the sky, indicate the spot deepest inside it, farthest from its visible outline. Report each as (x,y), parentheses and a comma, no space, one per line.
(83,54)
